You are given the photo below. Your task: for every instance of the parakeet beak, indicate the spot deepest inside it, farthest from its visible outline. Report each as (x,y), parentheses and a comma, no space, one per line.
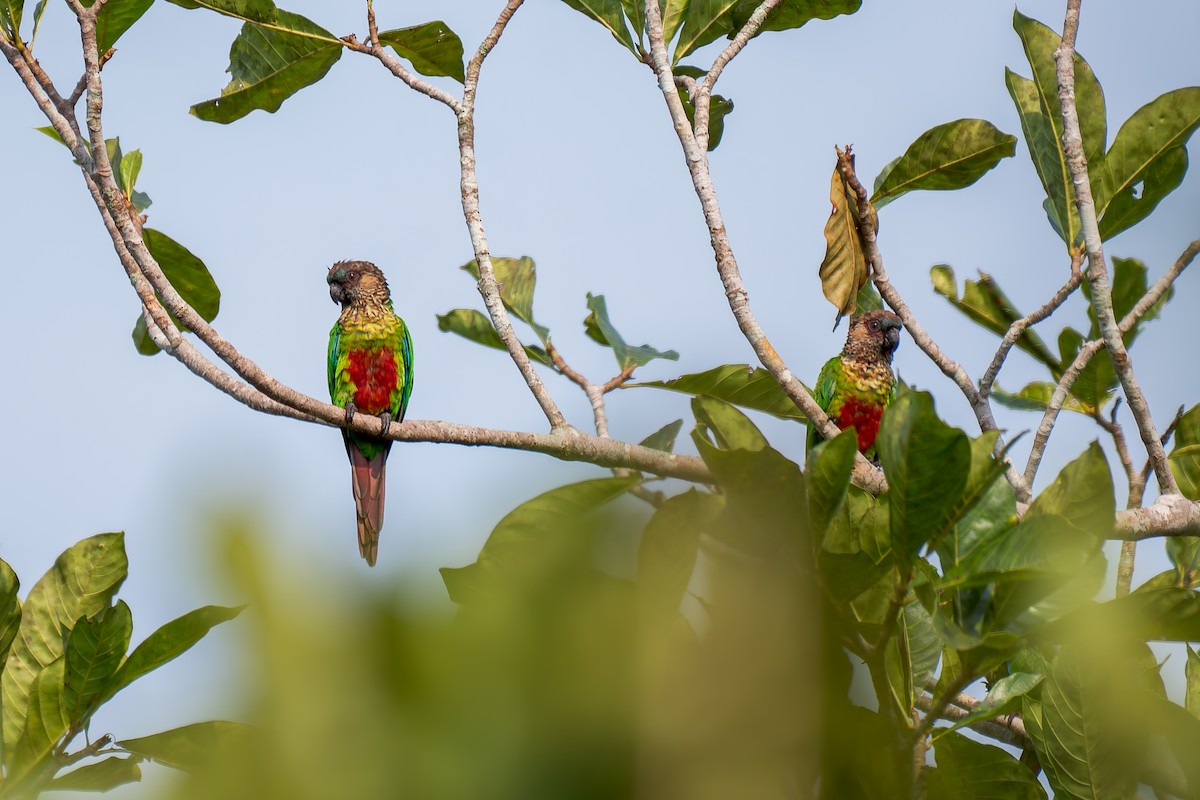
(891,337)
(336,292)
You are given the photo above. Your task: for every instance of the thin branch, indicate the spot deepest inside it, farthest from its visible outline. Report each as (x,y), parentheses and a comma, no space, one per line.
(1169,515)
(1097,272)
(1018,328)
(1137,487)
(376,50)
(865,475)
(1089,349)
(1009,730)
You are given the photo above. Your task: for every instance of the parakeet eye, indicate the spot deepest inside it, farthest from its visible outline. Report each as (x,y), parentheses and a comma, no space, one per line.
(352,275)
(873,325)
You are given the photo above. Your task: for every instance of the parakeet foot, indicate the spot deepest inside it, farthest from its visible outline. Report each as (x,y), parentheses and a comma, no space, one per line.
(385,422)
(351,410)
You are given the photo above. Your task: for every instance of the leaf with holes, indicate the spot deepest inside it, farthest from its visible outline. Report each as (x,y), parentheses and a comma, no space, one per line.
(432,48)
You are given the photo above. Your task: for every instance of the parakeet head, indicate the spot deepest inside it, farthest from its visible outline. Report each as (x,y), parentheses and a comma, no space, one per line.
(357,281)
(875,334)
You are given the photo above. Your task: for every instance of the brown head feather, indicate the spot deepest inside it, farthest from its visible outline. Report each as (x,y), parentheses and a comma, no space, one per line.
(357,283)
(873,336)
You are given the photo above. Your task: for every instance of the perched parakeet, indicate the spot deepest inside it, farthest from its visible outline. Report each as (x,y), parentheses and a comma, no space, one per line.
(855,387)
(370,372)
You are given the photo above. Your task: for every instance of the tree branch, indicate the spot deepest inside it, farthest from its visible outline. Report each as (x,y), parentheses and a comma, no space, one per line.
(865,475)
(1010,730)
(1097,272)
(1169,515)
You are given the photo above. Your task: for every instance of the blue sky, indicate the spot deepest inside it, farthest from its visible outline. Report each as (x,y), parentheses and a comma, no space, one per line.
(578,168)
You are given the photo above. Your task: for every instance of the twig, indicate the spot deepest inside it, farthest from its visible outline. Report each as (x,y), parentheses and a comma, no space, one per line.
(865,475)
(1137,487)
(1010,730)
(1097,272)
(938,705)
(1018,328)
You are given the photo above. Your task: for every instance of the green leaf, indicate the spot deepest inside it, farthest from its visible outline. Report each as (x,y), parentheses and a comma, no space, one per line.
(986,304)
(673,13)
(530,529)
(952,155)
(985,471)
(1041,121)
(1087,747)
(10,609)
(732,429)
(1082,494)
(187,274)
(82,581)
(474,325)
(970,770)
(791,14)
(766,511)
(1036,396)
(517,278)
(1129,285)
(926,463)
(45,724)
(608,13)
(635,12)
(10,17)
(116,17)
(1147,160)
(627,356)
(718,107)
(670,542)
(923,644)
(663,438)
(267,65)
(1004,697)
(432,48)
(192,746)
(843,271)
(738,384)
(261,11)
(96,646)
(1191,670)
(1185,465)
(131,165)
(827,473)
(169,642)
(705,21)
(1038,548)
(1097,381)
(99,777)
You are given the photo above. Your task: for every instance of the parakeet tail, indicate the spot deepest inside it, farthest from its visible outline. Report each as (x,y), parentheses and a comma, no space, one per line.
(367,477)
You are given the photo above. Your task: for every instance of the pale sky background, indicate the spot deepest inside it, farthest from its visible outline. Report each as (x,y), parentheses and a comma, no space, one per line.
(579,168)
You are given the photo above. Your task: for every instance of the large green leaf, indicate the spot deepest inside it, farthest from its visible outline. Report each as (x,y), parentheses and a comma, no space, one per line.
(1041,120)
(790,13)
(192,746)
(432,48)
(96,646)
(986,470)
(472,324)
(82,581)
(952,155)
(1147,160)
(635,13)
(731,429)
(1088,747)
(673,13)
(927,463)
(10,16)
(529,529)
(608,13)
(187,274)
(10,609)
(262,11)
(986,304)
(704,22)
(169,642)
(1129,285)
(601,328)
(1037,548)
(970,770)
(1035,396)
(517,278)
(670,542)
(739,384)
(99,777)
(827,473)
(1185,456)
(1082,494)
(267,65)
(115,18)
(45,724)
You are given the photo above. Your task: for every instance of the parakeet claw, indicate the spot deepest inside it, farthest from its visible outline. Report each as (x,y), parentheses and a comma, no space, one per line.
(351,410)
(385,422)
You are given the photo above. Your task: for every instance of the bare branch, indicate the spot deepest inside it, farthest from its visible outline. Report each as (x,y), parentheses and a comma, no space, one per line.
(1097,272)
(1169,515)
(865,475)
(393,65)
(1010,729)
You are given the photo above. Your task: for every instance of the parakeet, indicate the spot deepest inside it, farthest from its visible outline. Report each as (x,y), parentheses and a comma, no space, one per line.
(855,387)
(370,372)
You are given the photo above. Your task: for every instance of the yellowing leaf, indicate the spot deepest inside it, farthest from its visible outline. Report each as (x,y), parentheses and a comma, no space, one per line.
(844,270)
